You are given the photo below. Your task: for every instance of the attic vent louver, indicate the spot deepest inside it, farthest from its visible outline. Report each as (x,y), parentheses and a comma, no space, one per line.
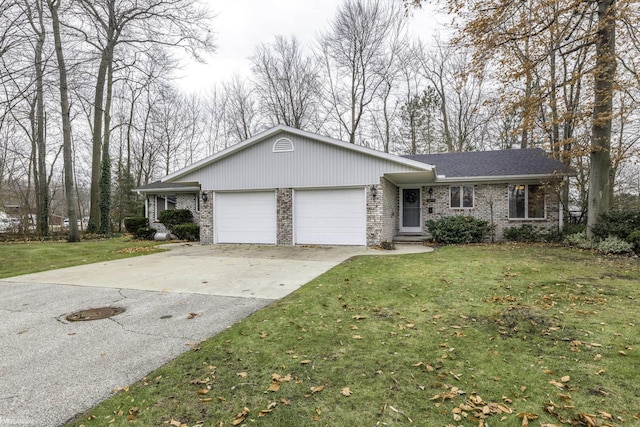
(282,145)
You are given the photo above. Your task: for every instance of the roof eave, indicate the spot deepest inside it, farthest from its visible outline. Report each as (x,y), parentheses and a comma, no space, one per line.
(166,190)
(440,179)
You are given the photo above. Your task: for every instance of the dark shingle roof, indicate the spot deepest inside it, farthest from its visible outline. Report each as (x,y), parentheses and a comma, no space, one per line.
(159,185)
(493,163)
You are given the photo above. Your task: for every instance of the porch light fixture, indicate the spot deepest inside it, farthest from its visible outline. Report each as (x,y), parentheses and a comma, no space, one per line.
(374,191)
(204,196)
(430,191)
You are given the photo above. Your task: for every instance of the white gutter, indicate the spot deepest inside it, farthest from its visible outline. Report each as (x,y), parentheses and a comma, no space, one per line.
(441,179)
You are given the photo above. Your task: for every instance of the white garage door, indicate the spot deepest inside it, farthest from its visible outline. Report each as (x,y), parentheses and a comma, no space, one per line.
(245,217)
(330,217)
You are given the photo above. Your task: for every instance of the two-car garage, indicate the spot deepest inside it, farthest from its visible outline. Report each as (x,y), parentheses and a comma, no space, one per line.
(320,216)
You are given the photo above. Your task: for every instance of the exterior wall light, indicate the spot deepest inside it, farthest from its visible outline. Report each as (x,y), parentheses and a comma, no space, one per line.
(204,196)
(374,191)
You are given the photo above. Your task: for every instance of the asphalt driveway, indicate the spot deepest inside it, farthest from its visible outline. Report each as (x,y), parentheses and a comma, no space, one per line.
(52,369)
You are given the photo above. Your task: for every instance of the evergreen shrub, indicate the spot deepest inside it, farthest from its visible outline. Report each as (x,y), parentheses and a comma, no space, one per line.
(187,231)
(134,223)
(458,229)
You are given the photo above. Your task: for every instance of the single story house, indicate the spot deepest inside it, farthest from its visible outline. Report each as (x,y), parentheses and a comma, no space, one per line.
(286,186)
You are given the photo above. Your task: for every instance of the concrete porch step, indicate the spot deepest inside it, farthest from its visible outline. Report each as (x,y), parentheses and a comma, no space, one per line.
(412,238)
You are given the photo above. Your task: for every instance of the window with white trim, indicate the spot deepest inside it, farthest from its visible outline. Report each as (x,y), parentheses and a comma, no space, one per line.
(164,203)
(461,196)
(526,201)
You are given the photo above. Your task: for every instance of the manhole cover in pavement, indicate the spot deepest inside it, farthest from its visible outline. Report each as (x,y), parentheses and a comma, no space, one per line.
(94,314)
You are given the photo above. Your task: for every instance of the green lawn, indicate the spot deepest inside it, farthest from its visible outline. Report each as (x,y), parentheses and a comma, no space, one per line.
(503,335)
(32,257)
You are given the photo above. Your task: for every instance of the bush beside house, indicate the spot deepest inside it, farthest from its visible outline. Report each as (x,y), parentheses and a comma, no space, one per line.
(139,227)
(616,233)
(458,229)
(180,223)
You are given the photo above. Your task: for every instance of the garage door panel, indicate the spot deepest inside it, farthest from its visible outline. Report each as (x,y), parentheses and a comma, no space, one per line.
(246,218)
(333,217)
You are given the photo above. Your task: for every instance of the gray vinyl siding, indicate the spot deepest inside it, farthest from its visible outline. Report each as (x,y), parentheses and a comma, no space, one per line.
(311,164)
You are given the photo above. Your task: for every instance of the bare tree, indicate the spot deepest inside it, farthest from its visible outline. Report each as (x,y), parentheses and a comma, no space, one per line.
(179,23)
(242,110)
(353,52)
(34,12)
(460,94)
(70,194)
(286,82)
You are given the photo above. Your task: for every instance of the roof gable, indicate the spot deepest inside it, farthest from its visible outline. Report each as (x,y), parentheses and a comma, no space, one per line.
(407,163)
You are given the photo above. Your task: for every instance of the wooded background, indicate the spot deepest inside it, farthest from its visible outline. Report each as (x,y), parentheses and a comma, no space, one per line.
(90,107)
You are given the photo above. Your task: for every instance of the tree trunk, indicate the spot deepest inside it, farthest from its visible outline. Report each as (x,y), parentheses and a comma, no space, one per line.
(96,144)
(38,123)
(70,194)
(604,75)
(105,176)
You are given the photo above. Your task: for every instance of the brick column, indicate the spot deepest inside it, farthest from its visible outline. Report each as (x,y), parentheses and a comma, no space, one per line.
(284,201)
(206,218)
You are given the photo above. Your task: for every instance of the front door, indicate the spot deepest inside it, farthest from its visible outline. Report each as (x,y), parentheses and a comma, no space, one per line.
(410,211)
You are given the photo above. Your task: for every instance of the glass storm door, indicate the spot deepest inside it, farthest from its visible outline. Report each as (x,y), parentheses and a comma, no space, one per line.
(410,211)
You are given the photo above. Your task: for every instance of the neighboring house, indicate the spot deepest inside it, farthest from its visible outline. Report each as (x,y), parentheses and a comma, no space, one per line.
(290,187)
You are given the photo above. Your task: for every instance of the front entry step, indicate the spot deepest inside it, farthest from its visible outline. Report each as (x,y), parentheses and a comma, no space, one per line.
(412,238)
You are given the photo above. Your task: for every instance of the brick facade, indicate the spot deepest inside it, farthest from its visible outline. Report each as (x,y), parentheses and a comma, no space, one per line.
(284,203)
(391,211)
(206,218)
(375,209)
(491,203)
(183,201)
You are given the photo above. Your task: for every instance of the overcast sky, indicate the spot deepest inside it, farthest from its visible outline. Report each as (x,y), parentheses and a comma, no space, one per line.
(242,24)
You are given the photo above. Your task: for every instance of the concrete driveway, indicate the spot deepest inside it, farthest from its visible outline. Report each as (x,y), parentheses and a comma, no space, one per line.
(52,369)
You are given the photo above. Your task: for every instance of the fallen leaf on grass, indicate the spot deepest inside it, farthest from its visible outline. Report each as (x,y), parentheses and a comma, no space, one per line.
(269,409)
(588,420)
(240,417)
(400,412)
(557,384)
(203,391)
(565,379)
(346,391)
(134,250)
(275,386)
(526,417)
(605,415)
(242,374)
